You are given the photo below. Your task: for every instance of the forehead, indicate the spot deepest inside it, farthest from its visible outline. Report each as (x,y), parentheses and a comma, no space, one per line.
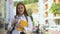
(20,5)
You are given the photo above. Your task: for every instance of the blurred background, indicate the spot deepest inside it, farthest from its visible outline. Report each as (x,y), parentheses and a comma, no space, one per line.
(45,15)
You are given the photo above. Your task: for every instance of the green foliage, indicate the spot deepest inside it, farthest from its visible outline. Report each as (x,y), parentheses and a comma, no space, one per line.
(33,23)
(29,11)
(55,8)
(26,2)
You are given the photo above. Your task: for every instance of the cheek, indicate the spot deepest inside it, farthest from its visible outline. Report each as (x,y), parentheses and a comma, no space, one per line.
(22,10)
(18,10)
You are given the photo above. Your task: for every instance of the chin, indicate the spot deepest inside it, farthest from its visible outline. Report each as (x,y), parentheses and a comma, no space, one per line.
(21,13)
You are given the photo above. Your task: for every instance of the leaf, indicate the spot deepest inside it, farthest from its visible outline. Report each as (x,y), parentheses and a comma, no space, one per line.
(55,8)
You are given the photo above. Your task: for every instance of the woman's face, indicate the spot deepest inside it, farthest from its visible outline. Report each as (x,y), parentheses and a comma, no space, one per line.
(21,9)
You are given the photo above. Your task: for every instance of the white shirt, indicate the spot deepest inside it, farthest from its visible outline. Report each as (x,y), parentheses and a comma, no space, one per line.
(24,18)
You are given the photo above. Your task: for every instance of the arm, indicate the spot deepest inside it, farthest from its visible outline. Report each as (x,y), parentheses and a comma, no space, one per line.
(12,23)
(29,24)
(29,28)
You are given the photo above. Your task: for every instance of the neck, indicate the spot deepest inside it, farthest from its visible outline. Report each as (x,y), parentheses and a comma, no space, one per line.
(20,15)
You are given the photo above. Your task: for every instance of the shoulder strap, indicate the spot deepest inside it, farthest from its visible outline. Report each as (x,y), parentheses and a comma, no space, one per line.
(26,18)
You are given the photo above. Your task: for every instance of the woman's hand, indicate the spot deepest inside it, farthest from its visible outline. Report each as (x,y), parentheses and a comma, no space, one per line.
(19,25)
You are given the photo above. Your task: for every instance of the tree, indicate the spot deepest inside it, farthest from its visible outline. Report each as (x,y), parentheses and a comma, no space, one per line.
(55,8)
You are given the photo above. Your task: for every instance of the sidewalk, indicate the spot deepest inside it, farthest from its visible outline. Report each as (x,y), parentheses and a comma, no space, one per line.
(2,31)
(54,32)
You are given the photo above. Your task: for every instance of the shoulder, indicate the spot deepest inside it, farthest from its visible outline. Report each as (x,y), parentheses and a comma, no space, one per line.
(11,18)
(28,17)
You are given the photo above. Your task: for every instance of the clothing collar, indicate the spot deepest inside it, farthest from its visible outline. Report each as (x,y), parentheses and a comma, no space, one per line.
(21,16)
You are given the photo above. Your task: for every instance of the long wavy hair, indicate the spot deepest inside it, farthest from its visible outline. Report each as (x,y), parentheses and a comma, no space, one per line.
(25,11)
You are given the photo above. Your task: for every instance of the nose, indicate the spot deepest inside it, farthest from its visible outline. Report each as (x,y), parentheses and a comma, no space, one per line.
(20,9)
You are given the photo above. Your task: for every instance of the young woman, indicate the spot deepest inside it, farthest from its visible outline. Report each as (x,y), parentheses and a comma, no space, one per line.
(21,14)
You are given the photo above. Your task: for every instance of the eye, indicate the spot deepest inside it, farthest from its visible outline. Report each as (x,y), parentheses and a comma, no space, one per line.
(18,7)
(21,7)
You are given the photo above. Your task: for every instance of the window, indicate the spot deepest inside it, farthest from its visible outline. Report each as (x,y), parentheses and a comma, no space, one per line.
(0,14)
(58,1)
(46,6)
(0,0)
(5,0)
(0,11)
(57,21)
(46,21)
(54,0)
(45,1)
(46,14)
